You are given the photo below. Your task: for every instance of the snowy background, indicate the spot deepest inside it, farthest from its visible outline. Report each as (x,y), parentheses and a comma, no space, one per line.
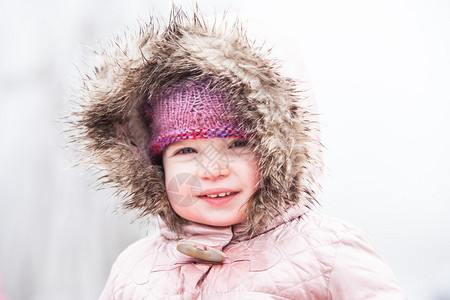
(380,72)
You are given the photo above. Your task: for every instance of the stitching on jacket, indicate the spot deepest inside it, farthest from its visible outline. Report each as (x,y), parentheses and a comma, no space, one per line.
(302,283)
(314,253)
(252,292)
(334,260)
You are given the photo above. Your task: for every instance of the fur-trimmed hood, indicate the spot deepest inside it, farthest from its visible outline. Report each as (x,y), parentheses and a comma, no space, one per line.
(114,133)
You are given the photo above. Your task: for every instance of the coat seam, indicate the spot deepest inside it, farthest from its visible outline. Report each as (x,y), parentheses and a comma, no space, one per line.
(334,262)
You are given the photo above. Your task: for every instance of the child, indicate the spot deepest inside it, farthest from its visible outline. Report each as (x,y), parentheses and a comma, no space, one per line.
(197,126)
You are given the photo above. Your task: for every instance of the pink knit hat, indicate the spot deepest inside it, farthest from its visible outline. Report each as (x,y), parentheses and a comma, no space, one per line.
(190,108)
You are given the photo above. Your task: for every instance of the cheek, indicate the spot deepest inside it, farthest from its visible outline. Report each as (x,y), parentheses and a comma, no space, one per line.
(253,174)
(181,188)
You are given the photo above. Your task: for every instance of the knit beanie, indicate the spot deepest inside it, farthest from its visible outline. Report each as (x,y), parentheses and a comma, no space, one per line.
(190,108)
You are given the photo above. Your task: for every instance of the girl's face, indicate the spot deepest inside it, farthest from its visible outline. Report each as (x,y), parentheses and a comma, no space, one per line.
(209,181)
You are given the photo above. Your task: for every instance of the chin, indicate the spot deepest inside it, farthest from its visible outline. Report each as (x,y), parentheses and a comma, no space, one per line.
(219,219)
(220,222)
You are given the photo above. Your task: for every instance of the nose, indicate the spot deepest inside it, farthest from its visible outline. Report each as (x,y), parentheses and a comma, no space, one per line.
(214,170)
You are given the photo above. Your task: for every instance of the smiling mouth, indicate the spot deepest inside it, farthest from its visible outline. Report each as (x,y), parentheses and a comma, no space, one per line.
(220,195)
(218,198)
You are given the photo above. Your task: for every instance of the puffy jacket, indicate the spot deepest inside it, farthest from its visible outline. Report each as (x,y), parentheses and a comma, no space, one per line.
(309,256)
(282,249)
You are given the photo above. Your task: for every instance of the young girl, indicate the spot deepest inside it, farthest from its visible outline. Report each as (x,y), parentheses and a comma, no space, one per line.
(196,125)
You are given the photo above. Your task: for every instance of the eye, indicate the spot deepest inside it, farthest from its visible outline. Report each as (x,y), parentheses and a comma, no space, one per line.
(238,143)
(186,151)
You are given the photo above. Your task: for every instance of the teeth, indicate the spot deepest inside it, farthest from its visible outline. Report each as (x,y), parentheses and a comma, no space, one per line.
(219,195)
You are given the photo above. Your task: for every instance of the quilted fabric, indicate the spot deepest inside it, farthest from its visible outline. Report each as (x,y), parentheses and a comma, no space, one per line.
(309,256)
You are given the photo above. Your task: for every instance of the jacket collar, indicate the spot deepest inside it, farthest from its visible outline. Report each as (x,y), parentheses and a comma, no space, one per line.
(218,237)
(212,236)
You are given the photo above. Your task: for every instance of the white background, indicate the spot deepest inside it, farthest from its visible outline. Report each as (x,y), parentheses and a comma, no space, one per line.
(380,72)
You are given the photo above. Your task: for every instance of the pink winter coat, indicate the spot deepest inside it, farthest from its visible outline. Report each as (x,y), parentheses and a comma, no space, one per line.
(308,257)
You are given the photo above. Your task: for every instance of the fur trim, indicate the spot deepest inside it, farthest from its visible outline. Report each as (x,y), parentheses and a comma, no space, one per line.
(114,133)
